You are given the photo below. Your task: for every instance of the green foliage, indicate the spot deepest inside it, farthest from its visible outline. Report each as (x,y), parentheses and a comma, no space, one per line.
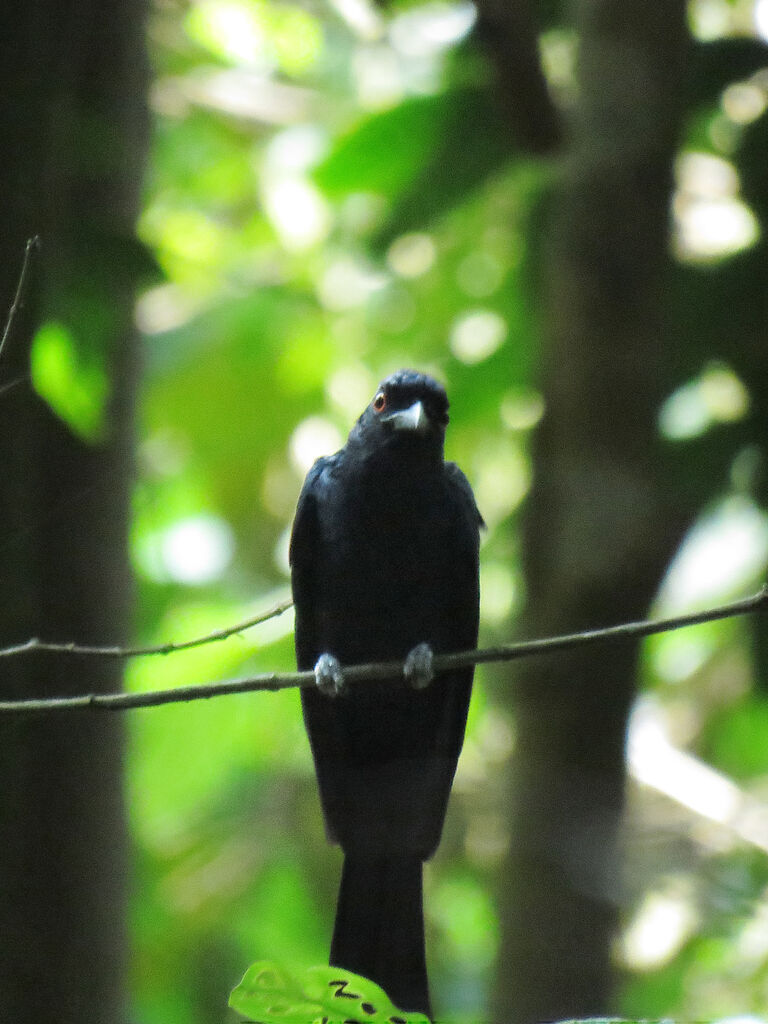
(474,127)
(76,391)
(740,739)
(408,155)
(271,994)
(386,152)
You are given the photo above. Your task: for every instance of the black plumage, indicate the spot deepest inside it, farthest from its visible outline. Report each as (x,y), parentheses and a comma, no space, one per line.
(384,557)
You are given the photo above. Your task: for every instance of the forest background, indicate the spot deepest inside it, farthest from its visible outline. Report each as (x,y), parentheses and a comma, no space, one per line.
(250,212)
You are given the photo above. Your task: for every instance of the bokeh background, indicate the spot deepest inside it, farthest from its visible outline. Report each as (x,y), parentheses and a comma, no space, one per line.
(251,211)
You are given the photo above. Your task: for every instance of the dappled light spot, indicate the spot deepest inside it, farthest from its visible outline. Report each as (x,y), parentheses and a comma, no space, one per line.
(712,796)
(480,274)
(559,50)
(678,655)
(752,944)
(714,228)
(164,454)
(498,592)
(713,19)
(196,550)
(296,209)
(663,922)
(164,308)
(716,396)
(256,35)
(501,476)
(295,36)
(279,487)
(723,553)
(350,387)
(348,283)
(725,397)
(281,552)
(241,92)
(183,237)
(229,29)
(432,27)
(361,16)
(411,255)
(521,410)
(486,842)
(296,148)
(379,78)
(314,436)
(761,19)
(711,221)
(744,102)
(477,334)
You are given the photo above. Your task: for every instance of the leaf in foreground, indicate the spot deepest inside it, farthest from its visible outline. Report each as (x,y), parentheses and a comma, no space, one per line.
(271,994)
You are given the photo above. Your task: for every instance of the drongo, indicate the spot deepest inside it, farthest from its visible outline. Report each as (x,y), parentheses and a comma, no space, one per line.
(384,562)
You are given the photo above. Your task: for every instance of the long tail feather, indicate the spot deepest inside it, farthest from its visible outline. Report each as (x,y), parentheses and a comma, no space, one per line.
(379,929)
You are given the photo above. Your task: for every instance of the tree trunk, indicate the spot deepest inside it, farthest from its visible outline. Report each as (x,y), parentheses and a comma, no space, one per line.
(600,528)
(73,82)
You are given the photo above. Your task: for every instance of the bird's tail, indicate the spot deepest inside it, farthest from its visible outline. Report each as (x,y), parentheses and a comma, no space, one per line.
(379,929)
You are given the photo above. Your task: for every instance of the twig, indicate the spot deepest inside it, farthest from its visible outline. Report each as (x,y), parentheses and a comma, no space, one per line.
(381,671)
(34,644)
(13,383)
(32,244)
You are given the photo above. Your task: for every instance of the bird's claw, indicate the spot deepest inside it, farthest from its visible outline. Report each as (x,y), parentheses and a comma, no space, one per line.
(329,675)
(419,667)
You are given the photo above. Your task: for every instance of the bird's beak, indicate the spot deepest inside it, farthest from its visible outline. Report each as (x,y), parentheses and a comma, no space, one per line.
(413,418)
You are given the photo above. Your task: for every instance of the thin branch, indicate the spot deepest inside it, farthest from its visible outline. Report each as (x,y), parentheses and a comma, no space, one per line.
(382,671)
(13,383)
(34,644)
(18,299)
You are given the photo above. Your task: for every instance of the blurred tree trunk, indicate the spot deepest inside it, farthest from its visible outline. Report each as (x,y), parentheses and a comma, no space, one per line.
(73,87)
(601,526)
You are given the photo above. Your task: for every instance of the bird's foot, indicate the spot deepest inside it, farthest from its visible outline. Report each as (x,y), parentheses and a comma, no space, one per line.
(419,667)
(329,675)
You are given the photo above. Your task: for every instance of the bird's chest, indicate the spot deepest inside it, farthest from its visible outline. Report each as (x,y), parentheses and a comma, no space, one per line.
(385,552)
(390,533)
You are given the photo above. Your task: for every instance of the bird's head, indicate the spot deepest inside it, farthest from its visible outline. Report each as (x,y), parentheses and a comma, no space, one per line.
(409,410)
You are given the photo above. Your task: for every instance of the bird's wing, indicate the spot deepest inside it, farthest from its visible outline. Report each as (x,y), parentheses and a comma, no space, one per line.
(302,558)
(459,618)
(463,493)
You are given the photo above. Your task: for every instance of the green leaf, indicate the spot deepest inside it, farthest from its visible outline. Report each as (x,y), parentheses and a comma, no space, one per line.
(75,389)
(425,155)
(739,743)
(271,994)
(386,151)
(473,143)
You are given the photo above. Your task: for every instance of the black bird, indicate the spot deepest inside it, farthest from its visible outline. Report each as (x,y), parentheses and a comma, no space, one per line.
(384,560)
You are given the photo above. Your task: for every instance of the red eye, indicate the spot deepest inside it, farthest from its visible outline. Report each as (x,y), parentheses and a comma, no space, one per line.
(380,402)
